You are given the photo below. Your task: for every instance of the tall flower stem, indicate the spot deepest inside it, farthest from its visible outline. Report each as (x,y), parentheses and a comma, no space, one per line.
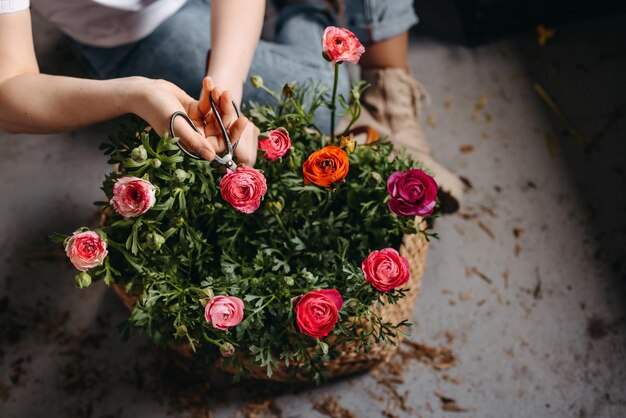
(333,105)
(282,226)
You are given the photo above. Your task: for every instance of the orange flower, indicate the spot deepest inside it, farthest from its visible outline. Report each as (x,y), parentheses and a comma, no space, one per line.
(326,166)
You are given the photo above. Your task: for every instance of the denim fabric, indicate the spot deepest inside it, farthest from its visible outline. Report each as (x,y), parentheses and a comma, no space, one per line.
(176,51)
(377,20)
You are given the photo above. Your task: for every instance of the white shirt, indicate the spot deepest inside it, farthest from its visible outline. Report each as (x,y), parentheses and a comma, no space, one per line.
(103,23)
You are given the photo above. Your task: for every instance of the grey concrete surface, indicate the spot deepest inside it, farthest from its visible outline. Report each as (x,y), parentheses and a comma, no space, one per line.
(525,286)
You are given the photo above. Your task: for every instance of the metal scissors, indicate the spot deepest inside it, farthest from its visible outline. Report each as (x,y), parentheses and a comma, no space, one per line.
(226,159)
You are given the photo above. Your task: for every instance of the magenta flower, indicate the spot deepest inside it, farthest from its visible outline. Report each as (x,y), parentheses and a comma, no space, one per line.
(412,192)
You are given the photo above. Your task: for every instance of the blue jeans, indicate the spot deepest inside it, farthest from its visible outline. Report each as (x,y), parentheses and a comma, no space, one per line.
(176,51)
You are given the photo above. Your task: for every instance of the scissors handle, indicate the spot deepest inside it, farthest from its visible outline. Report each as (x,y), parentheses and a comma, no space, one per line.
(226,159)
(190,122)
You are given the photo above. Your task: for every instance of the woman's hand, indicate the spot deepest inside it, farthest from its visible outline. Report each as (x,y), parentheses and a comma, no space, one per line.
(157,100)
(242,132)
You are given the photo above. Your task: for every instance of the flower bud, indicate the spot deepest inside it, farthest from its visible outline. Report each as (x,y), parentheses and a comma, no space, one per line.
(154,241)
(377,177)
(139,154)
(275,207)
(156,163)
(348,143)
(289,281)
(227,350)
(256,81)
(288,90)
(83,280)
(181,175)
(181,330)
(209,209)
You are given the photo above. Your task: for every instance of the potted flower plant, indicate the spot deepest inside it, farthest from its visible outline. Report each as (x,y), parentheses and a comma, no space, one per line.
(304,267)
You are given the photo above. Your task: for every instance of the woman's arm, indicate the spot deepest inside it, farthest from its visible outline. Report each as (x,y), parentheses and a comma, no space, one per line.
(39,103)
(235,32)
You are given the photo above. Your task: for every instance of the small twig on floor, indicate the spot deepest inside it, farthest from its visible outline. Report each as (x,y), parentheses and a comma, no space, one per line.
(560,114)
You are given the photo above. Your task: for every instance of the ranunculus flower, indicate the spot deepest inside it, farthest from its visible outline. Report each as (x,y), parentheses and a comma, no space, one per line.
(325,167)
(340,44)
(224,312)
(317,312)
(85,250)
(412,192)
(132,196)
(276,144)
(243,188)
(386,269)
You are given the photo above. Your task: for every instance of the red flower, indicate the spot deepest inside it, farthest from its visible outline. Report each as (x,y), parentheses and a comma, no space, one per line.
(317,312)
(341,45)
(386,269)
(243,188)
(276,145)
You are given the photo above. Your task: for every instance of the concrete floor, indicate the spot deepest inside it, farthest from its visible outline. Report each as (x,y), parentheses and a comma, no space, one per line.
(526,285)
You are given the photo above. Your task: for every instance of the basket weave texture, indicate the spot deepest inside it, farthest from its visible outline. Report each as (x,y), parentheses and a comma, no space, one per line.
(415,249)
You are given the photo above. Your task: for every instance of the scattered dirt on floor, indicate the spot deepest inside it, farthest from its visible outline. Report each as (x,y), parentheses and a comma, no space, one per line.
(597,328)
(439,358)
(389,375)
(449,404)
(471,271)
(329,406)
(486,230)
(264,409)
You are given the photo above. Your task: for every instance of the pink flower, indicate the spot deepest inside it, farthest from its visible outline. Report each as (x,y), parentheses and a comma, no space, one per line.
(412,193)
(132,196)
(243,188)
(85,250)
(341,45)
(224,312)
(276,145)
(386,269)
(317,312)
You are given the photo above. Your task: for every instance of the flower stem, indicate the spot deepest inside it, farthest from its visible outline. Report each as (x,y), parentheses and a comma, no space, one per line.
(333,105)
(256,311)
(282,226)
(211,340)
(271,93)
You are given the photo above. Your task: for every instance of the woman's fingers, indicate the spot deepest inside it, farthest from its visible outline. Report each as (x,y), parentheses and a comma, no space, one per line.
(235,132)
(207,87)
(193,141)
(237,128)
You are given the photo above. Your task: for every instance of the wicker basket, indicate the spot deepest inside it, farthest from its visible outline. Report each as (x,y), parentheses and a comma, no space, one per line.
(415,248)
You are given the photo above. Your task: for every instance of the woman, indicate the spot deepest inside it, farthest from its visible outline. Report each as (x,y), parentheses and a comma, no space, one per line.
(148,57)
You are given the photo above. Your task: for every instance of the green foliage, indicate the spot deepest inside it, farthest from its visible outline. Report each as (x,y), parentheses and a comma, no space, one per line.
(192,245)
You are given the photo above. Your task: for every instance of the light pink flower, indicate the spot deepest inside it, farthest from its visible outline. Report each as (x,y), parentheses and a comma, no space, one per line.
(340,44)
(386,269)
(86,250)
(224,311)
(317,312)
(132,196)
(276,145)
(243,188)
